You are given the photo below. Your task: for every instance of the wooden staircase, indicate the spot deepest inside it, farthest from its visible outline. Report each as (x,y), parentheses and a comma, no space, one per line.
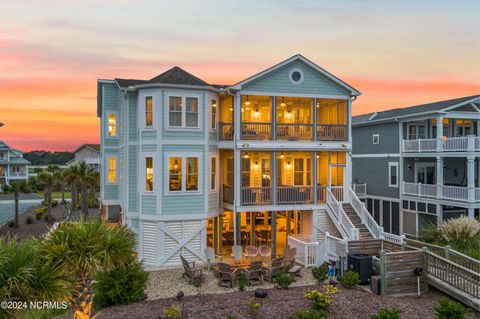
(356,221)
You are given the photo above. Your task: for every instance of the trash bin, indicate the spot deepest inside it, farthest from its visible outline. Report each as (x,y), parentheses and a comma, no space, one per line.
(362,264)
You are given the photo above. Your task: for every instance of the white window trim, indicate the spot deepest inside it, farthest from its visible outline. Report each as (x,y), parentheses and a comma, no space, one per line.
(183,156)
(145,126)
(213,190)
(184,97)
(378,138)
(302,76)
(390,165)
(418,165)
(108,170)
(107,125)
(144,170)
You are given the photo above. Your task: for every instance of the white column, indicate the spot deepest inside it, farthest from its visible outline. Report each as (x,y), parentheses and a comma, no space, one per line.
(348,175)
(471,178)
(439,168)
(439,133)
(439,214)
(471,212)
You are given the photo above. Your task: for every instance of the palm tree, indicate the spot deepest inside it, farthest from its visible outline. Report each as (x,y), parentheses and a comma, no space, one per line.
(16,188)
(103,247)
(48,182)
(72,179)
(83,175)
(93,183)
(26,275)
(61,177)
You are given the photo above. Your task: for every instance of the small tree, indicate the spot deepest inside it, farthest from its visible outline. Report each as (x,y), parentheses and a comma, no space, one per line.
(83,172)
(47,181)
(16,188)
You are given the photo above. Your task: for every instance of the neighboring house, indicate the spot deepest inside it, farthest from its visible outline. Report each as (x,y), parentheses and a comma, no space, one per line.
(13,166)
(420,163)
(89,153)
(187,164)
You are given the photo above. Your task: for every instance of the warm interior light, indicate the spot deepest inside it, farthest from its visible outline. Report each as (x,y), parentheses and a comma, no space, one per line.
(318,104)
(175,165)
(318,156)
(289,114)
(246,155)
(282,156)
(231,109)
(256,165)
(288,164)
(256,113)
(283,102)
(247,102)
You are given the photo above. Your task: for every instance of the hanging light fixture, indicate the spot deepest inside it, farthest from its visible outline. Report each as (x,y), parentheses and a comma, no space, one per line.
(289,113)
(283,104)
(256,113)
(282,156)
(175,166)
(288,164)
(247,102)
(246,155)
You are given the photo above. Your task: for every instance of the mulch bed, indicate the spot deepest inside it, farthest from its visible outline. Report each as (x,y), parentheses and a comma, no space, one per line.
(37,229)
(347,304)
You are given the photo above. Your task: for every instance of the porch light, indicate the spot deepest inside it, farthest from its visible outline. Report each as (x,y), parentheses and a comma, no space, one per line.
(175,166)
(282,156)
(247,102)
(318,156)
(256,165)
(288,164)
(318,104)
(230,109)
(256,113)
(246,155)
(283,102)
(289,114)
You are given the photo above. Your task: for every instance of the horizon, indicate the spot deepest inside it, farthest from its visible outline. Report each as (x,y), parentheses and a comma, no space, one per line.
(403,54)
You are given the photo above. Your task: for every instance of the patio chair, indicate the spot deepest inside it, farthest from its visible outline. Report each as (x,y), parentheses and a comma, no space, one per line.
(255,273)
(285,251)
(264,251)
(289,258)
(211,257)
(237,253)
(191,272)
(277,264)
(251,252)
(226,275)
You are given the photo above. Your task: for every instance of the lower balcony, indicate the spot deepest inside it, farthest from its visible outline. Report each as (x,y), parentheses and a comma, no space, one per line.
(456,193)
(445,144)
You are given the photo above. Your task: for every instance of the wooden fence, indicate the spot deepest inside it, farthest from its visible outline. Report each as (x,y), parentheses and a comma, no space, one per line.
(369,247)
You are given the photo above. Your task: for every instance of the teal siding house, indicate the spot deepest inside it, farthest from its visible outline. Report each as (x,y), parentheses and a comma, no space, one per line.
(265,163)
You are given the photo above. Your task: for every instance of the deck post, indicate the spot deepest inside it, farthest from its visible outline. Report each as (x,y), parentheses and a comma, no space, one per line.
(383,273)
(447,252)
(425,268)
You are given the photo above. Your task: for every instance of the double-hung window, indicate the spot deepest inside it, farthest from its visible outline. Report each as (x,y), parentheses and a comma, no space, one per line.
(393,174)
(213,173)
(183,173)
(149,174)
(148,111)
(183,112)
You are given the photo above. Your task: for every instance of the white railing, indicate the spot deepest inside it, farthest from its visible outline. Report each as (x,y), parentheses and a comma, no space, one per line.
(338,193)
(294,132)
(447,144)
(397,239)
(17,174)
(256,195)
(341,217)
(455,193)
(92,160)
(294,194)
(306,249)
(331,248)
(444,191)
(360,189)
(365,216)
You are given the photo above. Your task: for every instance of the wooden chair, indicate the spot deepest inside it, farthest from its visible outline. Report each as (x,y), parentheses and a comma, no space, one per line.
(226,275)
(255,273)
(191,272)
(277,264)
(289,257)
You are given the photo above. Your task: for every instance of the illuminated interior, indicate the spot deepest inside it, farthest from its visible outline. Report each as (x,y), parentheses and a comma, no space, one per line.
(256,109)
(331,111)
(149,174)
(112,125)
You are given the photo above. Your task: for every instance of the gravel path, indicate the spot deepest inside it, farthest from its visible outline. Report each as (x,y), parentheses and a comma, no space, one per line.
(347,304)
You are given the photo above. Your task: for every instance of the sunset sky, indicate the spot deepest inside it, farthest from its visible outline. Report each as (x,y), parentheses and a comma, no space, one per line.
(397,53)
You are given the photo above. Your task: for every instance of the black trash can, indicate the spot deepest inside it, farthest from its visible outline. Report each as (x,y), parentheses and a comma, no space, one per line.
(362,264)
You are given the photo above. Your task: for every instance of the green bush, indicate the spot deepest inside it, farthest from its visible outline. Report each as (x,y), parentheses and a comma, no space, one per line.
(11,223)
(432,234)
(172,312)
(282,280)
(39,212)
(320,272)
(350,279)
(253,307)
(122,285)
(231,317)
(49,218)
(308,314)
(388,313)
(321,301)
(54,203)
(242,281)
(29,220)
(449,309)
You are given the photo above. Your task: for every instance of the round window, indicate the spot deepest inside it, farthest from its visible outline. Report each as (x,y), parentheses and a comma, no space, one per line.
(296,76)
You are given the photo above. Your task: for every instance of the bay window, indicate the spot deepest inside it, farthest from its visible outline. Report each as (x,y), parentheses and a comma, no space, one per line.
(214,115)
(148,111)
(112,170)
(183,173)
(183,112)
(149,174)
(175,111)
(192,174)
(175,174)
(112,125)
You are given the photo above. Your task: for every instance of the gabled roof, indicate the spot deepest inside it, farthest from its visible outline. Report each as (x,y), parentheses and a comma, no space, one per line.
(94,147)
(421,109)
(175,75)
(299,57)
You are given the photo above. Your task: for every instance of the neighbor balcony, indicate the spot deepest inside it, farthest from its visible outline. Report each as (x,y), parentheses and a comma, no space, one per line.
(456,193)
(469,143)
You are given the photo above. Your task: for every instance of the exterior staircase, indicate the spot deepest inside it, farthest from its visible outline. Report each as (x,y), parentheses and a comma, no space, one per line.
(356,221)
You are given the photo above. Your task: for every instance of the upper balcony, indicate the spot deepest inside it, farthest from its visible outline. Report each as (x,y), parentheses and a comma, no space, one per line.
(447,135)
(265,118)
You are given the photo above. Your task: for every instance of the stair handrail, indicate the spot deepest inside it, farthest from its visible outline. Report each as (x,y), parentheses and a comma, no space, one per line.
(352,232)
(365,216)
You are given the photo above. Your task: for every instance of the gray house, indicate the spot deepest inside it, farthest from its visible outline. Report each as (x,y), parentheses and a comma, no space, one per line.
(418,164)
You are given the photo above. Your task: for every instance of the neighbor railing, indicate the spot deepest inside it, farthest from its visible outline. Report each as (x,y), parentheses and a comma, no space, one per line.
(225,131)
(256,195)
(294,132)
(294,194)
(447,144)
(332,132)
(448,192)
(360,189)
(256,131)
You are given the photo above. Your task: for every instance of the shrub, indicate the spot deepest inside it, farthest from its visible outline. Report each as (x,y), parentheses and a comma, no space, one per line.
(54,203)
(49,218)
(449,309)
(432,234)
(282,280)
(231,317)
(172,312)
(253,307)
(29,220)
(11,223)
(321,301)
(320,272)
(350,279)
(308,314)
(122,285)
(460,230)
(388,313)
(39,212)
(242,281)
